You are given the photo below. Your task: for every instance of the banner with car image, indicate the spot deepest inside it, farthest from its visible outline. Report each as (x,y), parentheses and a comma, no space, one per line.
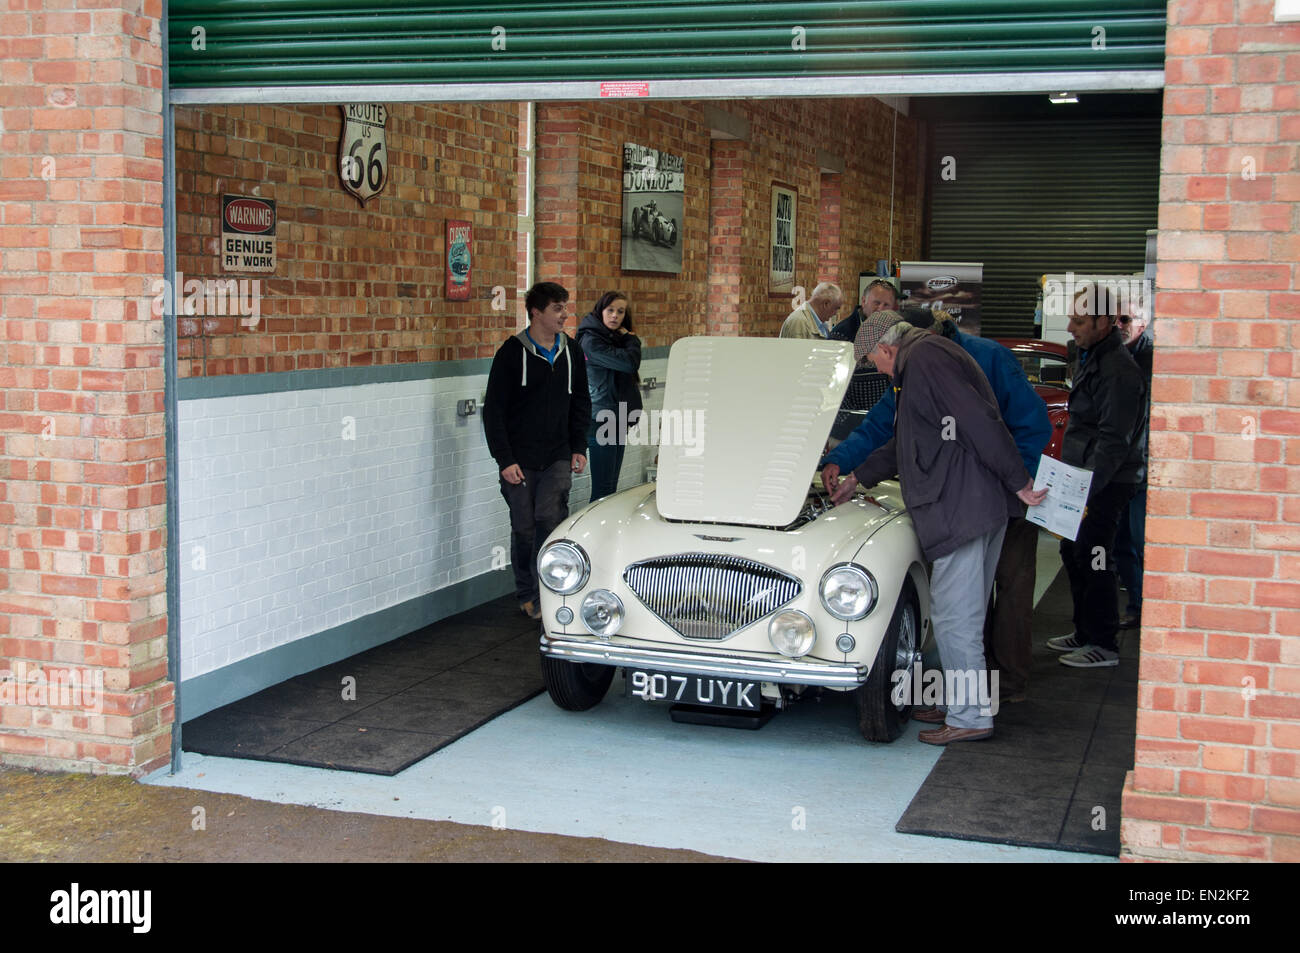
(654,190)
(950,286)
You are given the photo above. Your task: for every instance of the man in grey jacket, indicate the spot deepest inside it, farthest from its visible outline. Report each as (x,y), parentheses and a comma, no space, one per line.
(962,479)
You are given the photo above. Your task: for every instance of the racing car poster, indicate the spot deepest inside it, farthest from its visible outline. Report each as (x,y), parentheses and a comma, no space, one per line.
(654,189)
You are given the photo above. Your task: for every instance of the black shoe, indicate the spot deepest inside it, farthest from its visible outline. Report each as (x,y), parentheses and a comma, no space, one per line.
(1131,620)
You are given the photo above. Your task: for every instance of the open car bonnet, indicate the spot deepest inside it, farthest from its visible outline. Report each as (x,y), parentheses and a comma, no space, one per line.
(744,424)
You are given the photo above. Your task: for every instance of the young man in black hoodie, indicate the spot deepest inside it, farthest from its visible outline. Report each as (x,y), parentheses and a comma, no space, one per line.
(535,417)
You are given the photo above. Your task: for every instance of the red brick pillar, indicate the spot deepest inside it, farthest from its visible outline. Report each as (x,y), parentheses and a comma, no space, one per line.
(559,150)
(726,239)
(828,235)
(1218,731)
(82,522)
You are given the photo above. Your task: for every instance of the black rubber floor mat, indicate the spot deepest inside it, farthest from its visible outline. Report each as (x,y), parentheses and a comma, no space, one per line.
(1052,774)
(381,711)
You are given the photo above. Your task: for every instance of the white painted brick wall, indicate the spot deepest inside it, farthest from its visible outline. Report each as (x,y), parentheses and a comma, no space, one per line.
(288,529)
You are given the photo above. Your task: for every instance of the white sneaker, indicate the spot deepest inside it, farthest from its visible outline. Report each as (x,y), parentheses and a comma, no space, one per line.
(1091,656)
(1065,643)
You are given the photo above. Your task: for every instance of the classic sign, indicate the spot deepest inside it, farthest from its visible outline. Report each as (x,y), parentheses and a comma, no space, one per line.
(363,151)
(460,238)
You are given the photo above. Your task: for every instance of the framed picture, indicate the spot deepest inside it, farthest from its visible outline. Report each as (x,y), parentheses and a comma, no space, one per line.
(460,240)
(654,191)
(780,274)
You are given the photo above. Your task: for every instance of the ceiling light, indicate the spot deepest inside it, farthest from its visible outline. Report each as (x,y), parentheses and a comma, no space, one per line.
(1060,98)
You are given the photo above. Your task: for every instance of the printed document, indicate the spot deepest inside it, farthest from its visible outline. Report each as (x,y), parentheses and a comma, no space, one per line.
(1067,495)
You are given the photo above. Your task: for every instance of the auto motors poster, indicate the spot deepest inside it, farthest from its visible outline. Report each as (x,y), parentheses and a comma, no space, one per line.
(654,189)
(950,286)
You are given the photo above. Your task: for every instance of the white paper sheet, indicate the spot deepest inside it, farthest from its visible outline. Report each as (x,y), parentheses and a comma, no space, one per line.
(1067,495)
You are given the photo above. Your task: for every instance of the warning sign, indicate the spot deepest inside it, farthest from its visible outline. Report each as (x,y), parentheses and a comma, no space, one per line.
(247,234)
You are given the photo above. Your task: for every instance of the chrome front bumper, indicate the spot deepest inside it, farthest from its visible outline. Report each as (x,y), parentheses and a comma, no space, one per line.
(787,671)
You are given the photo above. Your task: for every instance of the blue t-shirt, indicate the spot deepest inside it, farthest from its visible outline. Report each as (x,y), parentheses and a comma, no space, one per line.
(547,352)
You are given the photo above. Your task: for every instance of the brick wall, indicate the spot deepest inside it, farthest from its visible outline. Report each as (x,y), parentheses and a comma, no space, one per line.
(1215,774)
(723,286)
(81,432)
(353,285)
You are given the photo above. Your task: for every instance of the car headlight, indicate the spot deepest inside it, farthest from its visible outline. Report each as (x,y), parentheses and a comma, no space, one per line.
(791,633)
(848,592)
(602,612)
(563,567)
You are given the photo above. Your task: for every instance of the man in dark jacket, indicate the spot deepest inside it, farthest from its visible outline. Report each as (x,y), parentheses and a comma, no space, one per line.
(1007,633)
(535,416)
(962,480)
(880,295)
(1130,539)
(1105,436)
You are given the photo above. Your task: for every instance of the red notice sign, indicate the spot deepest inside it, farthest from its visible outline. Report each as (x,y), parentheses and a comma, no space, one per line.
(618,90)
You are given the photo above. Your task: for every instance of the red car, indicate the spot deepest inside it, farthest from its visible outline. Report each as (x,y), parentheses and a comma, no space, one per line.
(1047,366)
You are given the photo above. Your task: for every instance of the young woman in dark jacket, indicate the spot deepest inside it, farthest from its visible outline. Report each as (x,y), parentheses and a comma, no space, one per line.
(613,359)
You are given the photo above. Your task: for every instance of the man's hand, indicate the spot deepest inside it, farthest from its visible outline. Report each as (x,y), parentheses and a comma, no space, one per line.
(846,490)
(1029,496)
(513,474)
(831,477)
(578,462)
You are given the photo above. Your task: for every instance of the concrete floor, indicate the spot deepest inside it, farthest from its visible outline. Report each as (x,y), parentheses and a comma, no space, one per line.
(804,787)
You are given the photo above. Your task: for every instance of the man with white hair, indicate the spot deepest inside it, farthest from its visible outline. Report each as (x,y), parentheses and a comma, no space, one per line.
(811,319)
(962,480)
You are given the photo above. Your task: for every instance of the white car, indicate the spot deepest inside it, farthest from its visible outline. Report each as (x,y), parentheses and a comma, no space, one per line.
(732,586)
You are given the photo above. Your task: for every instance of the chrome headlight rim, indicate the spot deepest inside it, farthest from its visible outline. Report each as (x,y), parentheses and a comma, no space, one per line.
(812,632)
(616,618)
(583,560)
(867,579)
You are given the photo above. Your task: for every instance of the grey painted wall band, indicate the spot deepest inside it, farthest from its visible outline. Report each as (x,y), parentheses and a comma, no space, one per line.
(238,385)
(211,690)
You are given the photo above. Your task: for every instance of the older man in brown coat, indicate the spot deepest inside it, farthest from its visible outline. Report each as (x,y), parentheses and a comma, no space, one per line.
(962,479)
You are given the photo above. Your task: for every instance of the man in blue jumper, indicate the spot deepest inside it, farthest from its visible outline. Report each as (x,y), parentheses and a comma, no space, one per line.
(1006,630)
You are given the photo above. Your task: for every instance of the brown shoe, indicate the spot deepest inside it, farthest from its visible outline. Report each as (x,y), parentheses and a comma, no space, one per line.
(947,734)
(931,716)
(530,609)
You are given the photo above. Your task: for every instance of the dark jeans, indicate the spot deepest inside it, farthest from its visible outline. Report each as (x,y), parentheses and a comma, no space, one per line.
(537,506)
(606,460)
(1090,564)
(1006,625)
(1128,547)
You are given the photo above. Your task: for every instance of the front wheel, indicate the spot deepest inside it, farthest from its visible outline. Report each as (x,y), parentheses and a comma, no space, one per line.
(575,686)
(883,711)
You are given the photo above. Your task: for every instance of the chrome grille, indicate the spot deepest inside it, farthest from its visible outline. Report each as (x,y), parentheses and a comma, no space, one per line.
(709,596)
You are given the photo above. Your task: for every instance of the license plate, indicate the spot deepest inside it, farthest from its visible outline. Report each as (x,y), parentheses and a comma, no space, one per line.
(694,690)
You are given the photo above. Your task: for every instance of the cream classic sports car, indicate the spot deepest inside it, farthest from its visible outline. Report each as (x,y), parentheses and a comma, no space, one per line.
(732,586)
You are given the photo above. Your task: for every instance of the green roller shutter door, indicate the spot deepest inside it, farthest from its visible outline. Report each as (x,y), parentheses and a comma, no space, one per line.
(1034,198)
(243,43)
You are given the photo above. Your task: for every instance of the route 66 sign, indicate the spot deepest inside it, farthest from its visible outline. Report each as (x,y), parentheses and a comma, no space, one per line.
(363,152)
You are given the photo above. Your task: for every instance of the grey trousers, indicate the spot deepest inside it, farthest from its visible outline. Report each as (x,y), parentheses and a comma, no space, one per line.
(959,593)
